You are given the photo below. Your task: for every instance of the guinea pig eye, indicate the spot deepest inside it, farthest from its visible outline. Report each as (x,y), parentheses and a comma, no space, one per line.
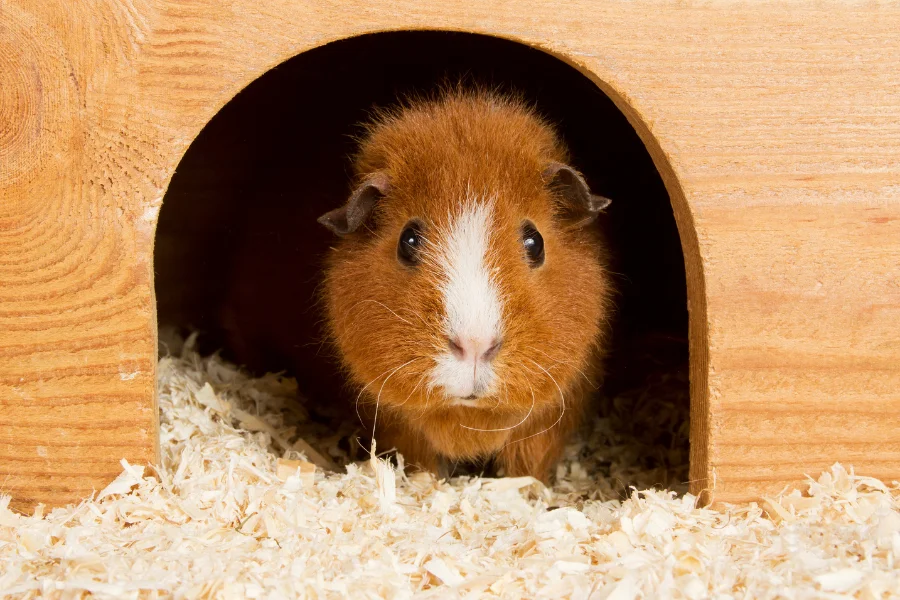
(410,246)
(534,244)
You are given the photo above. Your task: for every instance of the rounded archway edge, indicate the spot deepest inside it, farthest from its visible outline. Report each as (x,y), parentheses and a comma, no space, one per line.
(595,68)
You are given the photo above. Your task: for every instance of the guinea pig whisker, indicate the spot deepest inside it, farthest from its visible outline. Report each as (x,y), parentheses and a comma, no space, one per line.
(539,432)
(500,398)
(421,379)
(359,416)
(506,428)
(527,370)
(561,412)
(356,403)
(417,315)
(385,307)
(421,411)
(428,392)
(562,396)
(378,397)
(565,362)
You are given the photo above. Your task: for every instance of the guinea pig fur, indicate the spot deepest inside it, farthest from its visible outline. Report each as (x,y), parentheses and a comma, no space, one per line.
(467,292)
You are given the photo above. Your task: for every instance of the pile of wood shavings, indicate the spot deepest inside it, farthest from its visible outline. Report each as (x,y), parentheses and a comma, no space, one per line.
(226,517)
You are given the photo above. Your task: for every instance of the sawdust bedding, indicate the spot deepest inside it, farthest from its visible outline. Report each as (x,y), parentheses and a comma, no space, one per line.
(245,505)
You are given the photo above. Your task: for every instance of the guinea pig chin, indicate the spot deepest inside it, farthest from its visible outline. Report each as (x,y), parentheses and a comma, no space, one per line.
(463,380)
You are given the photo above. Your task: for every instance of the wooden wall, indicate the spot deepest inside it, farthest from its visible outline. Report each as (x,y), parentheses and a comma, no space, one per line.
(775,126)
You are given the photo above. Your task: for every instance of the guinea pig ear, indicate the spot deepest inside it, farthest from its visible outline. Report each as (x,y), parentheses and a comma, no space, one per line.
(581,207)
(355,211)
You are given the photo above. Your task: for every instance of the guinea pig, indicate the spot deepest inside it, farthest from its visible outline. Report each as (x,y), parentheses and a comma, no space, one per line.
(467,292)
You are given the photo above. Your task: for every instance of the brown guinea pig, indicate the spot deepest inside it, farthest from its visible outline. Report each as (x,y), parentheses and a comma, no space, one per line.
(467,294)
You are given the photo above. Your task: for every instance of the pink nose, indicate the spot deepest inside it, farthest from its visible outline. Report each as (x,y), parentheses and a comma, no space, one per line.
(470,349)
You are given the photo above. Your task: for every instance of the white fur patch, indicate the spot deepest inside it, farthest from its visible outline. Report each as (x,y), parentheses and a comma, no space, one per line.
(472,305)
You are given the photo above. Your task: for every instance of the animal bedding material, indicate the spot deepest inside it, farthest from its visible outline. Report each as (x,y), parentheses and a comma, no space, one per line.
(235,510)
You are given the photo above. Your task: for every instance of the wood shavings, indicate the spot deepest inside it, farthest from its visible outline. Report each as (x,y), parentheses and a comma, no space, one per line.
(238,509)
(128,479)
(317,458)
(305,471)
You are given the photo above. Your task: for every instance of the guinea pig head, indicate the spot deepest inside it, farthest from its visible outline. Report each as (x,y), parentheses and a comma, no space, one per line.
(466,273)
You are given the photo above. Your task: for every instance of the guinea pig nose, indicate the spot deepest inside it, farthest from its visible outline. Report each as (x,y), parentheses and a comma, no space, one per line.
(491,352)
(465,348)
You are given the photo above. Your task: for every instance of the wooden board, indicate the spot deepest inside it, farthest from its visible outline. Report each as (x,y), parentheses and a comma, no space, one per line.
(775,126)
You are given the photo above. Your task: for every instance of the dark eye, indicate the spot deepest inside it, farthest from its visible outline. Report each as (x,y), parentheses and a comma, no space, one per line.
(410,247)
(534,244)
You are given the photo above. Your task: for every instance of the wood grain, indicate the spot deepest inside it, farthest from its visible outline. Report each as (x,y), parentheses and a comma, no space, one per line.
(775,126)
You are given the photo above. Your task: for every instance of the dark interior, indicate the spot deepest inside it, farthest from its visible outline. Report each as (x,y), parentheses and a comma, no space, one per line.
(243,204)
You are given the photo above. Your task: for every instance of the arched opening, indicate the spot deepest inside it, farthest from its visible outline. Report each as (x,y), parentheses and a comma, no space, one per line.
(247,193)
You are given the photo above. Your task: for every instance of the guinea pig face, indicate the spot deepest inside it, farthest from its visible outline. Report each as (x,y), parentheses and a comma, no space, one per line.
(455,285)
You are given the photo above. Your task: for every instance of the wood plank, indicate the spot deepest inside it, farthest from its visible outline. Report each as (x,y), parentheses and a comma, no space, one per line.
(779,145)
